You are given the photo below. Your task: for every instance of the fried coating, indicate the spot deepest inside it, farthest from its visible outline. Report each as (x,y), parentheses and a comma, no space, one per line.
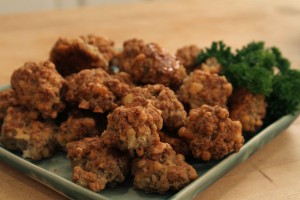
(104,45)
(94,89)
(39,87)
(201,88)
(95,165)
(212,66)
(160,170)
(211,134)
(7,99)
(22,131)
(187,56)
(131,48)
(162,98)
(124,77)
(133,128)
(177,143)
(153,65)
(71,55)
(248,108)
(75,128)
(118,86)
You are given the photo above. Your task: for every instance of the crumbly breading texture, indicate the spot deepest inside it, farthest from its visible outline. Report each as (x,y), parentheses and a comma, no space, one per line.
(133,128)
(201,88)
(248,108)
(21,130)
(162,98)
(124,77)
(71,55)
(161,170)
(95,165)
(177,143)
(131,48)
(153,65)
(76,128)
(187,56)
(149,64)
(94,89)
(211,134)
(7,99)
(39,87)
(104,45)
(118,86)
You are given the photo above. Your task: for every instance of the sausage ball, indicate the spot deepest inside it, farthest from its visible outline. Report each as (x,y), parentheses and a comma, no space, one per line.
(133,128)
(39,87)
(153,65)
(131,48)
(248,108)
(162,98)
(71,55)
(187,56)
(7,99)
(211,134)
(76,127)
(95,165)
(104,45)
(161,170)
(23,131)
(94,89)
(201,88)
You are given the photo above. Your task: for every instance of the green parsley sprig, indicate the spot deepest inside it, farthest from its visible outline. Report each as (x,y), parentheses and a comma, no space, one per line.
(218,50)
(285,97)
(261,70)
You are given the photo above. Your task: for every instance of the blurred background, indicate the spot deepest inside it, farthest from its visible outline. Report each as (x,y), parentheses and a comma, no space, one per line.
(23,6)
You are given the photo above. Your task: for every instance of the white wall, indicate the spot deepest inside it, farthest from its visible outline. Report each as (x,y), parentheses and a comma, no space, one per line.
(21,6)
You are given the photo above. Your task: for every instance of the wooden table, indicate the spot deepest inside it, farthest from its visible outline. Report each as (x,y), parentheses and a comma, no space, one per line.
(271,173)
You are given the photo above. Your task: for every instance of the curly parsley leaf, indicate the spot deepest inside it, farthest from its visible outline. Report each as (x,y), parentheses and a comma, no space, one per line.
(285,97)
(255,54)
(218,50)
(256,79)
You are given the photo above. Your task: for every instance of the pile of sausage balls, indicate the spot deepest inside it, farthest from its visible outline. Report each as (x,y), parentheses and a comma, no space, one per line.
(138,112)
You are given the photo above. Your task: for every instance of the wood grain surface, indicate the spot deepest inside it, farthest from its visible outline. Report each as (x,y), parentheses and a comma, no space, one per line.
(271,173)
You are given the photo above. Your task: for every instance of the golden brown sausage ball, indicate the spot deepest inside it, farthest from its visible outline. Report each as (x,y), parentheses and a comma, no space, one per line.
(153,65)
(187,56)
(201,88)
(23,131)
(211,134)
(131,48)
(39,87)
(133,128)
(94,89)
(161,170)
(95,166)
(248,108)
(71,55)
(7,99)
(162,98)
(76,127)
(150,64)
(104,45)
